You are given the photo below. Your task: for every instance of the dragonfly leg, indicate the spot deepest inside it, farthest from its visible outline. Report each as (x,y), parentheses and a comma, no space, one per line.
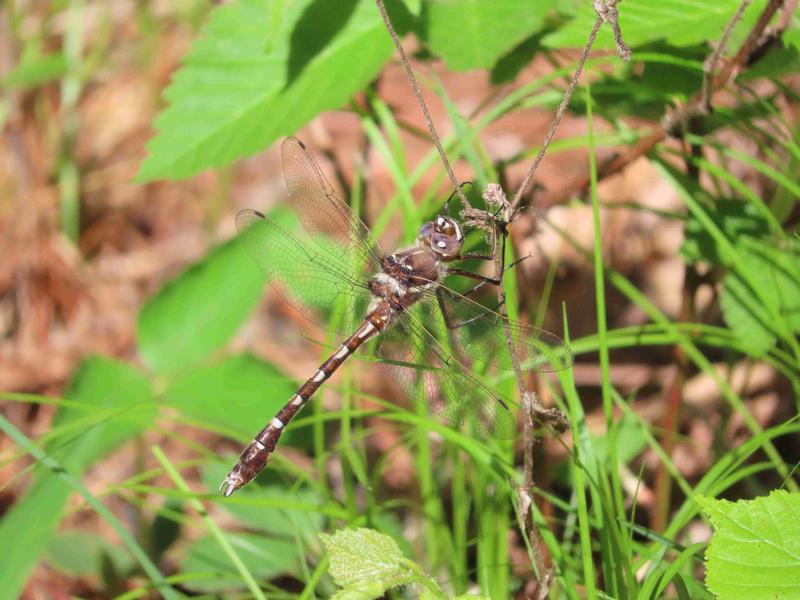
(448,320)
(475,255)
(481,279)
(478,277)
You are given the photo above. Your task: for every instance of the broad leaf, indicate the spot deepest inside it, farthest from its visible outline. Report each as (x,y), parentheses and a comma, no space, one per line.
(36,69)
(80,554)
(272,508)
(266,557)
(360,556)
(474,34)
(678,22)
(197,312)
(367,563)
(513,62)
(736,218)
(238,392)
(118,406)
(776,272)
(755,549)
(260,71)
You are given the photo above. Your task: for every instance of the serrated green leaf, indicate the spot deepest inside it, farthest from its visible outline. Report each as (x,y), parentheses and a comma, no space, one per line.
(119,406)
(755,549)
(260,71)
(679,22)
(265,557)
(78,554)
(198,311)
(362,555)
(473,34)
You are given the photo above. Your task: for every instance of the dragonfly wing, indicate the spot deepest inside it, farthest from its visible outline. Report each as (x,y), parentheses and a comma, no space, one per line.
(483,335)
(322,213)
(306,276)
(434,376)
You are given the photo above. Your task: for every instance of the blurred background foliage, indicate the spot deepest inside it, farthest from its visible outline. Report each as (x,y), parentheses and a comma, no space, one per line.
(138,351)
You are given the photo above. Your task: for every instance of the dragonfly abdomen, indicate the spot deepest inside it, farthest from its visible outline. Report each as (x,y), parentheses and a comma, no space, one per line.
(256,455)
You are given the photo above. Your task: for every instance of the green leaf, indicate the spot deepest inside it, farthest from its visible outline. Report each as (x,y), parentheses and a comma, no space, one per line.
(473,34)
(274,508)
(79,554)
(776,271)
(35,70)
(678,22)
(511,64)
(755,549)
(197,312)
(165,530)
(305,287)
(260,71)
(791,37)
(736,218)
(238,392)
(365,559)
(265,557)
(118,406)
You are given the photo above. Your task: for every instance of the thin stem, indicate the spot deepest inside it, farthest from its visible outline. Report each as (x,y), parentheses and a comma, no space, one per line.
(213,528)
(422,105)
(562,109)
(750,47)
(711,64)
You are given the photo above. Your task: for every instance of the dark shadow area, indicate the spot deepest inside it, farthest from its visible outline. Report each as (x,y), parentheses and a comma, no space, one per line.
(315,29)
(509,66)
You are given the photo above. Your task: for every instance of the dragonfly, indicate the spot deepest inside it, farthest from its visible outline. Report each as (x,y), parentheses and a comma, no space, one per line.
(402,298)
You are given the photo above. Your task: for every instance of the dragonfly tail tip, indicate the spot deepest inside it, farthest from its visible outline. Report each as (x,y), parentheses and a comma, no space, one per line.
(227,488)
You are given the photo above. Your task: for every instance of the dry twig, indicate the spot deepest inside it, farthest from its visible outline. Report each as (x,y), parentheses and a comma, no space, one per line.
(422,105)
(751,46)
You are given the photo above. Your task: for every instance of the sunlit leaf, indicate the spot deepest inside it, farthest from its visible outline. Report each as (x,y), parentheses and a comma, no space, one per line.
(755,549)
(679,22)
(198,311)
(473,34)
(260,71)
(359,555)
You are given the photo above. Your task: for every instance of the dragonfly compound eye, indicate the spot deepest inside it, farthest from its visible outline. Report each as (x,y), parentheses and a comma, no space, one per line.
(447,226)
(447,246)
(426,230)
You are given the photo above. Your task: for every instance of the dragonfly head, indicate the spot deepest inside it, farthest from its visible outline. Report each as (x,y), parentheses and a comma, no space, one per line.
(443,235)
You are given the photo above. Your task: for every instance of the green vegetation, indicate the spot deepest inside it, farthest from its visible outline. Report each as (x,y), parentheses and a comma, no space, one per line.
(322,521)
